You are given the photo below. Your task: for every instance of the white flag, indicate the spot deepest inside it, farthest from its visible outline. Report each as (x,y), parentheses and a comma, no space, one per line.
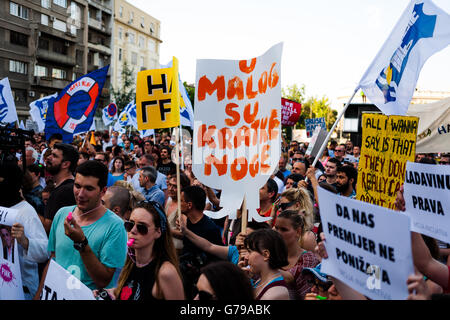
(8,111)
(389,82)
(38,110)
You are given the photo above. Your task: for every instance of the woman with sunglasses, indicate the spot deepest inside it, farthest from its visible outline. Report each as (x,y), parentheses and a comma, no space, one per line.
(223,281)
(151,270)
(299,199)
(290,225)
(266,254)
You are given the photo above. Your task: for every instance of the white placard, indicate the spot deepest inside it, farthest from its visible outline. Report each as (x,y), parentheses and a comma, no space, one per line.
(237,129)
(316,142)
(10,276)
(8,216)
(369,247)
(427,202)
(61,285)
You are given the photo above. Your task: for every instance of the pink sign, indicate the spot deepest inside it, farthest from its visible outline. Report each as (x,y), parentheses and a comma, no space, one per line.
(290,112)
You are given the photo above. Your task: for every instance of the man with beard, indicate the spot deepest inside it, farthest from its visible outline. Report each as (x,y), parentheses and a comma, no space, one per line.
(87,235)
(166,166)
(346,181)
(60,164)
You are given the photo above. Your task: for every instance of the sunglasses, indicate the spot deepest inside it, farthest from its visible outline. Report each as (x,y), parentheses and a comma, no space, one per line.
(285,205)
(297,159)
(141,228)
(320,284)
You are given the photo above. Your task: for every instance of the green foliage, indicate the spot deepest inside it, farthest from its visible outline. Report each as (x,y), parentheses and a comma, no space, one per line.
(190,89)
(123,95)
(312,107)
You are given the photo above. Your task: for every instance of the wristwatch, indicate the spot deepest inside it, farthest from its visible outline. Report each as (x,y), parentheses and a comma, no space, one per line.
(80,245)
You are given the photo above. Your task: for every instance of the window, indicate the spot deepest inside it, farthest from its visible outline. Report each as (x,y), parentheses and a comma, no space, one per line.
(79,57)
(131,37)
(59,73)
(60,47)
(19,95)
(121,11)
(151,45)
(134,58)
(18,38)
(131,17)
(142,61)
(61,3)
(59,25)
(120,54)
(45,4)
(18,66)
(141,42)
(44,44)
(119,32)
(44,19)
(18,10)
(152,28)
(40,71)
(142,22)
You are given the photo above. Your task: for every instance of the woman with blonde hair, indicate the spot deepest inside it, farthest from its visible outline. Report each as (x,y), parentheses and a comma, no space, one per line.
(299,199)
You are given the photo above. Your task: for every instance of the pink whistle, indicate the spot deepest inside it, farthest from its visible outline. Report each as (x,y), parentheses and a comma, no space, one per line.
(130,242)
(69,216)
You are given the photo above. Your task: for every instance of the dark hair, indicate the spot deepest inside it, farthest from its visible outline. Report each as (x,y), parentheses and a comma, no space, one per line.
(55,136)
(228,281)
(120,198)
(151,173)
(84,155)
(96,169)
(295,177)
(427,160)
(272,186)
(184,180)
(350,172)
(336,161)
(268,239)
(254,225)
(130,163)
(69,153)
(117,150)
(10,186)
(36,168)
(122,168)
(196,195)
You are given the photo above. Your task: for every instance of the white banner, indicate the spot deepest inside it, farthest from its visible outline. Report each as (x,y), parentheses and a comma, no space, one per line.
(60,284)
(369,247)
(10,276)
(8,112)
(426,192)
(237,129)
(8,216)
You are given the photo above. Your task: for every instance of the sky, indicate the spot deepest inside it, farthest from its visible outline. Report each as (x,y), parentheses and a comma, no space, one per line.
(328,44)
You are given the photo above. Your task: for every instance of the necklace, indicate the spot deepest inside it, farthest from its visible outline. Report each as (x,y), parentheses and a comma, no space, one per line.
(274,276)
(85,213)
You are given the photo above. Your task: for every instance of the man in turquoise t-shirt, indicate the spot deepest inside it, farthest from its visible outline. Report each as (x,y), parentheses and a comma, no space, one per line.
(92,244)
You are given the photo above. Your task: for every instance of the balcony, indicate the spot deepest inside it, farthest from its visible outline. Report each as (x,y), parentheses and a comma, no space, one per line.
(49,82)
(56,57)
(99,25)
(100,47)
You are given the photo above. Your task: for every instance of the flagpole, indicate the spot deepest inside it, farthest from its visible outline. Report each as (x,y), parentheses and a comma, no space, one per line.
(177,157)
(181,143)
(325,143)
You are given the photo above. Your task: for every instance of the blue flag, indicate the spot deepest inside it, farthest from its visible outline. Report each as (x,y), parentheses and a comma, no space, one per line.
(38,110)
(74,108)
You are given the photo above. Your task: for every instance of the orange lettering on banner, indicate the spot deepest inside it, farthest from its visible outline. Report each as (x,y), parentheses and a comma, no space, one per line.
(255,126)
(263,131)
(250,117)
(250,94)
(264,157)
(273,77)
(233,114)
(241,134)
(244,68)
(205,136)
(273,123)
(262,83)
(242,172)
(254,166)
(235,87)
(205,86)
(225,136)
(221,166)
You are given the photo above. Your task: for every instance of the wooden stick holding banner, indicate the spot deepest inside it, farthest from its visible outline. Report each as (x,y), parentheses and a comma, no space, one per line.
(181,142)
(244,215)
(324,144)
(177,162)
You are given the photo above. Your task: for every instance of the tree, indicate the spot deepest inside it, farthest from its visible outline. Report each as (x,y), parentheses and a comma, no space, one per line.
(190,89)
(126,93)
(318,108)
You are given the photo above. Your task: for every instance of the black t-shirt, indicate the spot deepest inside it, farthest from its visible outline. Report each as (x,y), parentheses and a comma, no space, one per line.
(167,168)
(139,284)
(62,196)
(205,228)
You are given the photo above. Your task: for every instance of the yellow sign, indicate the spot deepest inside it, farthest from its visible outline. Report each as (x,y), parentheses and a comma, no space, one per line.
(158,98)
(387,143)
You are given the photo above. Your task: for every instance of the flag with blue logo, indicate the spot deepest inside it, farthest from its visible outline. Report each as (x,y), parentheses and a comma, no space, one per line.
(127,117)
(38,110)
(186,110)
(390,80)
(74,109)
(8,111)
(109,113)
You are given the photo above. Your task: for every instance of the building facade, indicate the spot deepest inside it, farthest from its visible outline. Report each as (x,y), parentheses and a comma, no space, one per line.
(46,44)
(136,41)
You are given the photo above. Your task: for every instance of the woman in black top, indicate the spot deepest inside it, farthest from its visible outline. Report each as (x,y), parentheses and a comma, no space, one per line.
(151,269)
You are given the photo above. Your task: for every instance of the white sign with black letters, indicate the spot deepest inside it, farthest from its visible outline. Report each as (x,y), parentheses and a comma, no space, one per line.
(8,216)
(369,247)
(427,202)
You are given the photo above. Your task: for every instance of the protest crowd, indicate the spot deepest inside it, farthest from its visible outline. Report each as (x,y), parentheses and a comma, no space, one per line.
(108,206)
